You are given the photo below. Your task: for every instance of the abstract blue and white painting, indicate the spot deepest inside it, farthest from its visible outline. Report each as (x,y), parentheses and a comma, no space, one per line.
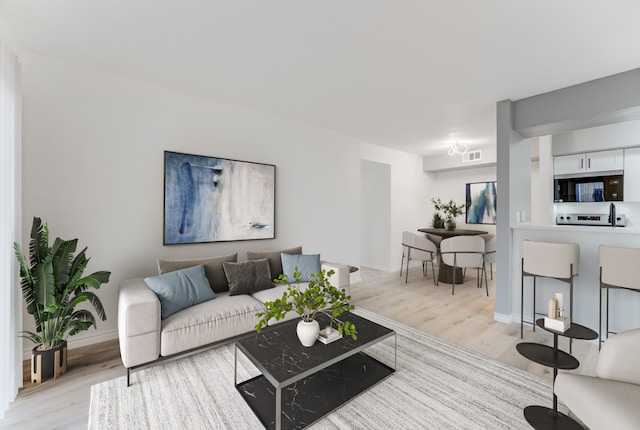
(481,202)
(208,199)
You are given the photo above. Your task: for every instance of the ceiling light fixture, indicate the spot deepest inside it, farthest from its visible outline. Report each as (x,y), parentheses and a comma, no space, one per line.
(457,148)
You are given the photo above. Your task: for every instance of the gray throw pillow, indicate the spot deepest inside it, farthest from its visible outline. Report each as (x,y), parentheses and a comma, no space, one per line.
(212,268)
(275,260)
(248,277)
(180,289)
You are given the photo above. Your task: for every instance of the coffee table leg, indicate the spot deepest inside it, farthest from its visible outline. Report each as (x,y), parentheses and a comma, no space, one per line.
(235,365)
(278,408)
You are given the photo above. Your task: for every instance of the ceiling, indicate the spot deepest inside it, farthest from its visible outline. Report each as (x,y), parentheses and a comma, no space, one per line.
(414,75)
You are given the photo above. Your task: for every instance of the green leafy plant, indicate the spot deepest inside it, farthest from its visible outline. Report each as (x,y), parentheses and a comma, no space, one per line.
(437,221)
(53,286)
(319,297)
(450,210)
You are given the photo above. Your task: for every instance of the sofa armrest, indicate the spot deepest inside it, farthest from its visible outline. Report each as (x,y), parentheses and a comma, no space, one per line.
(618,358)
(340,279)
(138,323)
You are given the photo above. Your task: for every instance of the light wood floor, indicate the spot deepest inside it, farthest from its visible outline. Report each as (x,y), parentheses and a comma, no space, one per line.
(465,318)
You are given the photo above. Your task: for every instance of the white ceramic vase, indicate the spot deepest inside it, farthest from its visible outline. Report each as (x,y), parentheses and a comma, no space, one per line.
(308,332)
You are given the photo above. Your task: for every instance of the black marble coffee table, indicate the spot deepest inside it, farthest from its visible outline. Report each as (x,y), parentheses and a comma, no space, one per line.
(299,385)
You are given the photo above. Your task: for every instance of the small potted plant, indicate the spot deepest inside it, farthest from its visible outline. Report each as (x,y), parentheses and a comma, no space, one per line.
(437,220)
(451,210)
(53,286)
(319,297)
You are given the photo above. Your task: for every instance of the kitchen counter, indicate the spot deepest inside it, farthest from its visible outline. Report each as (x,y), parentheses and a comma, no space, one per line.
(624,305)
(578,228)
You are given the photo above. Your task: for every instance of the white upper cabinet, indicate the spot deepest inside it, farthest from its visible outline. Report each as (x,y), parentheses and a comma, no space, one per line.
(632,175)
(605,161)
(567,164)
(601,161)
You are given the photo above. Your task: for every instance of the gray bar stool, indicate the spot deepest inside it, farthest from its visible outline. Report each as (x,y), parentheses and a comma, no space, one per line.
(548,260)
(618,269)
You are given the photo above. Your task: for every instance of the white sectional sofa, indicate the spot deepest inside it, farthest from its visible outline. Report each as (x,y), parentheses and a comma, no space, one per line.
(611,400)
(145,337)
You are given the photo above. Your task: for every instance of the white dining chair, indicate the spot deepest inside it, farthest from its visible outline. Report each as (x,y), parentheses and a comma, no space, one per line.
(464,252)
(406,244)
(490,246)
(419,248)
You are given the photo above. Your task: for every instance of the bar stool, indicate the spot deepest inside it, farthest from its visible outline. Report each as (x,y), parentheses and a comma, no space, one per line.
(618,269)
(548,260)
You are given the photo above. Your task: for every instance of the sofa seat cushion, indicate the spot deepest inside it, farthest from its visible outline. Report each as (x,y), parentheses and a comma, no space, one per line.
(223,317)
(600,403)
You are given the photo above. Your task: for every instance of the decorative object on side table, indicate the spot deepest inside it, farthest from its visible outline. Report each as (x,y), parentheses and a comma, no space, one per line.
(451,211)
(53,286)
(318,296)
(556,319)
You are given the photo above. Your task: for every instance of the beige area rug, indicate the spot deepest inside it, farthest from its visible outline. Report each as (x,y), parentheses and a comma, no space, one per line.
(437,385)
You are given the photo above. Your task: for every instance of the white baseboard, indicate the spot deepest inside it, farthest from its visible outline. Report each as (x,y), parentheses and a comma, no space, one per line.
(503,318)
(76,342)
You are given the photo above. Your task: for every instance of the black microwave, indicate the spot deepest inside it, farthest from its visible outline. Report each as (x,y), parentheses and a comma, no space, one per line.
(589,189)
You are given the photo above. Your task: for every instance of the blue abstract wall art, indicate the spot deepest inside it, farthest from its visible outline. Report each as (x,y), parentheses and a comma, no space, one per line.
(208,199)
(481,202)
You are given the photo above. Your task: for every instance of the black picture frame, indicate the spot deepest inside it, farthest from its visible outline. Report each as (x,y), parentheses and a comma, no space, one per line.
(481,202)
(214,199)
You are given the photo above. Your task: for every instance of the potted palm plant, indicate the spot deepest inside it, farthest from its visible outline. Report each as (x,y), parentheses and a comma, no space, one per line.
(319,297)
(53,286)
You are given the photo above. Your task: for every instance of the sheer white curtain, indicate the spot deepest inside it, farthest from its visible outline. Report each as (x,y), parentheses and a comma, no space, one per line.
(10,173)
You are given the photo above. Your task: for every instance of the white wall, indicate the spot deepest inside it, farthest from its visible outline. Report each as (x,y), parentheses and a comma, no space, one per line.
(410,194)
(443,161)
(93,169)
(375,215)
(622,135)
(451,186)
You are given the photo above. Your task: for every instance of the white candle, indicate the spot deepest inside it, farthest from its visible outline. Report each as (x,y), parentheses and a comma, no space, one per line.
(560,300)
(552,308)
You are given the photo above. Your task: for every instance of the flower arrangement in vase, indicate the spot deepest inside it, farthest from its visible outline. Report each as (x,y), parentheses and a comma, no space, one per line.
(451,210)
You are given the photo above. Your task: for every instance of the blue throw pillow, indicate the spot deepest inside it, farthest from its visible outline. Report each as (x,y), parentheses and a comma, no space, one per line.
(180,289)
(307,265)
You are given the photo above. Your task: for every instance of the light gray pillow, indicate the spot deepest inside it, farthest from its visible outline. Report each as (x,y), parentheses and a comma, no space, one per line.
(275,260)
(307,265)
(213,269)
(180,289)
(248,277)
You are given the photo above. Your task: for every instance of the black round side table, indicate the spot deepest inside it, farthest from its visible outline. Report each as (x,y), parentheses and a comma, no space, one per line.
(540,417)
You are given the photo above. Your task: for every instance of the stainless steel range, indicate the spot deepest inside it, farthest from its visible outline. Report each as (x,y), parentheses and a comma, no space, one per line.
(590,219)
